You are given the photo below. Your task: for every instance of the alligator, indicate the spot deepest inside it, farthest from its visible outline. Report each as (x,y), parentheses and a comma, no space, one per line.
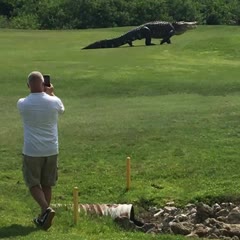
(158,29)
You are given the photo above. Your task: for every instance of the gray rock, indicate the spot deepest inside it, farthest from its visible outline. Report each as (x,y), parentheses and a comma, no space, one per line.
(201,230)
(234,215)
(159,213)
(183,228)
(214,223)
(216,207)
(171,210)
(147,227)
(182,218)
(190,206)
(222,213)
(203,212)
(170,204)
(222,219)
(213,236)
(192,235)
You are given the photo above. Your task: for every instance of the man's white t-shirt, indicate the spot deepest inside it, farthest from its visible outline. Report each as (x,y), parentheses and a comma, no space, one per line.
(39,113)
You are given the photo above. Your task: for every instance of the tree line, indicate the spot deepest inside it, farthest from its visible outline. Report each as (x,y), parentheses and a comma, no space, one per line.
(82,14)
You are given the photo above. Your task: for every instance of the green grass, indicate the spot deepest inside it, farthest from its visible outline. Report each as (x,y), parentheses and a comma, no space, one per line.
(174,109)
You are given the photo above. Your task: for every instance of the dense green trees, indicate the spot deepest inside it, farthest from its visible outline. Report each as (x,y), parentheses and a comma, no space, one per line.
(71,14)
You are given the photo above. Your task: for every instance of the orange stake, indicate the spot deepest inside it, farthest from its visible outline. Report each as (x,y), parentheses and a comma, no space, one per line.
(128,172)
(75,205)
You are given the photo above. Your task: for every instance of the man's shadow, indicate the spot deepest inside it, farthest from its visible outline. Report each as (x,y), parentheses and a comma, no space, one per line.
(15,230)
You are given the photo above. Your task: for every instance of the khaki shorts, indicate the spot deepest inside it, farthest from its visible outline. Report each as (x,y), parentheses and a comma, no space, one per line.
(40,170)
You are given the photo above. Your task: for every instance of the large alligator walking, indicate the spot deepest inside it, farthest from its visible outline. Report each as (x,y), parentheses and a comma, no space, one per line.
(158,29)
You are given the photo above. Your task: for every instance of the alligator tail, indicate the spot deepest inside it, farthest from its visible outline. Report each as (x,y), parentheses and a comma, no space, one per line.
(127,38)
(106,43)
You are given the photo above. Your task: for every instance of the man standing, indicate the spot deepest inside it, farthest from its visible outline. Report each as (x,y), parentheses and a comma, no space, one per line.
(39,112)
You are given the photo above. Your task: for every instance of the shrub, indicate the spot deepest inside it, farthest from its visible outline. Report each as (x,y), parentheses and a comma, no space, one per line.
(4,23)
(24,22)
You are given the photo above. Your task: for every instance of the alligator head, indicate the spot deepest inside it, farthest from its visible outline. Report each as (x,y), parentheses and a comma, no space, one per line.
(181,27)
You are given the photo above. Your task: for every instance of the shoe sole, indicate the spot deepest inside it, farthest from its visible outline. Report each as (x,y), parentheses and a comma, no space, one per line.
(48,222)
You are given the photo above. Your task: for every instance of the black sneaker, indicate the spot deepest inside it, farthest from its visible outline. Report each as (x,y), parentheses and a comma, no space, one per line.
(37,221)
(46,218)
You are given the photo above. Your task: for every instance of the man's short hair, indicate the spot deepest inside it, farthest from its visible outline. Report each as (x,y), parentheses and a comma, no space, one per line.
(35,75)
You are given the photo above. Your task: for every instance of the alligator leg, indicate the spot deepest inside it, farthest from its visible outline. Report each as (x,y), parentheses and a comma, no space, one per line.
(130,43)
(167,38)
(146,33)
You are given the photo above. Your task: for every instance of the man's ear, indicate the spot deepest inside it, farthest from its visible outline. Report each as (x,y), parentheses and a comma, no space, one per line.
(43,86)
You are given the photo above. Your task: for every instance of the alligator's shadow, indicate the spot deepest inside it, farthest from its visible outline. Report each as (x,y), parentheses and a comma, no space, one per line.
(141,46)
(15,230)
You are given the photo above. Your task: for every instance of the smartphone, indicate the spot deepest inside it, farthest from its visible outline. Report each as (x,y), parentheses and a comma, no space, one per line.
(47,80)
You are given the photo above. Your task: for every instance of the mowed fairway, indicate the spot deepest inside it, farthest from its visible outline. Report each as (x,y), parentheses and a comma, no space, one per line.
(174,109)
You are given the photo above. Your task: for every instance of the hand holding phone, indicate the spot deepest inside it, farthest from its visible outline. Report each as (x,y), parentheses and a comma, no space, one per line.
(47,80)
(48,86)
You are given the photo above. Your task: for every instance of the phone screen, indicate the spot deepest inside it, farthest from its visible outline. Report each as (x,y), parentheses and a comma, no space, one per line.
(47,80)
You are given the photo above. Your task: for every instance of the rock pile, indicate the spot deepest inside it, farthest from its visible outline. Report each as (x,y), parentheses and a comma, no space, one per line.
(219,221)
